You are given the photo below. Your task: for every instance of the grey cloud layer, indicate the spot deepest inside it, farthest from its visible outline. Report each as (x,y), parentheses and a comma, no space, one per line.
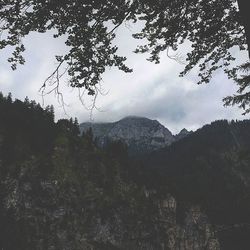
(154,91)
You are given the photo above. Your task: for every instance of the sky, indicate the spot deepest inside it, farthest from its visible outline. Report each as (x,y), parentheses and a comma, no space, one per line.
(153,90)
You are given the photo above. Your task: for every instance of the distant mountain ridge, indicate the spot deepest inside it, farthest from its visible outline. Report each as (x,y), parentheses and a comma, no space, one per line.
(141,134)
(192,194)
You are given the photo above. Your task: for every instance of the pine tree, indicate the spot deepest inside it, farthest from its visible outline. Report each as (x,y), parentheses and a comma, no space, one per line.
(242,99)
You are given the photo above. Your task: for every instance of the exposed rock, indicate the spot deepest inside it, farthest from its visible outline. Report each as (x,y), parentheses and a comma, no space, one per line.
(141,134)
(196,233)
(154,226)
(183,133)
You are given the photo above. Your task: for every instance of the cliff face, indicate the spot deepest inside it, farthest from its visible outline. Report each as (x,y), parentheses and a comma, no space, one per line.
(159,231)
(141,135)
(150,224)
(59,191)
(183,133)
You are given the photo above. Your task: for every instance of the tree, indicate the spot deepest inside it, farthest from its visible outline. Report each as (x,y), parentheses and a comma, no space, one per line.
(242,98)
(244,19)
(212,27)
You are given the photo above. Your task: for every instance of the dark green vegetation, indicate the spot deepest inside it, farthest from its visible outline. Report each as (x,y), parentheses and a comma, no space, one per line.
(59,191)
(242,98)
(210,167)
(213,28)
(47,172)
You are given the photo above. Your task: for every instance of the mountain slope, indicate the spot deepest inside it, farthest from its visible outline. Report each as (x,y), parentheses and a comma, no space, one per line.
(210,167)
(140,134)
(59,191)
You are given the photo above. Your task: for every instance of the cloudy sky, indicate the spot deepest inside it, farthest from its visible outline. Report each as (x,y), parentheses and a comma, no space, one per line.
(153,91)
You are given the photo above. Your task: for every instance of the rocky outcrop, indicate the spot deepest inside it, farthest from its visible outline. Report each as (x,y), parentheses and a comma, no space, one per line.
(183,133)
(141,134)
(161,232)
(148,222)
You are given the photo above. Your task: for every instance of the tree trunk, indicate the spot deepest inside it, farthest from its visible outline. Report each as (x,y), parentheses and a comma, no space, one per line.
(244,13)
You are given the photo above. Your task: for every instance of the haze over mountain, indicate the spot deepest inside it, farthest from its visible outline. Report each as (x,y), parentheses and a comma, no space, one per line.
(141,135)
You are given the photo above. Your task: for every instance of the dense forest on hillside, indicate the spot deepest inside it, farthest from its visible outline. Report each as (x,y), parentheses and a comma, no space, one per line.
(58,190)
(210,167)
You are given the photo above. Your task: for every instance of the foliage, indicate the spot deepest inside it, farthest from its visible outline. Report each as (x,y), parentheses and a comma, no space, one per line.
(214,28)
(210,167)
(56,185)
(242,98)
(58,190)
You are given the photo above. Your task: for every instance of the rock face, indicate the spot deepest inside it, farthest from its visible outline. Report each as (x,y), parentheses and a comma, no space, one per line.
(141,134)
(150,223)
(183,133)
(161,232)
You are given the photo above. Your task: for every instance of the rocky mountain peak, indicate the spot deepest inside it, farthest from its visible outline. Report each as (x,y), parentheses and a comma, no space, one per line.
(139,133)
(183,133)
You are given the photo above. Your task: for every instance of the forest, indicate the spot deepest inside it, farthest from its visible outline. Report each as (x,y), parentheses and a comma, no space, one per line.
(59,190)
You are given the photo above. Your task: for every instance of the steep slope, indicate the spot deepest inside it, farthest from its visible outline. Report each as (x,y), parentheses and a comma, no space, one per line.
(183,133)
(210,167)
(140,134)
(59,191)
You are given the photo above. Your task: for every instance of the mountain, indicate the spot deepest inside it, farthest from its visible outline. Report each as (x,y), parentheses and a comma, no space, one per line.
(183,133)
(141,134)
(210,167)
(60,191)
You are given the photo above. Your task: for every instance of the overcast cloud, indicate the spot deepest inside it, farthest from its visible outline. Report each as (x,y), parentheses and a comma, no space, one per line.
(153,91)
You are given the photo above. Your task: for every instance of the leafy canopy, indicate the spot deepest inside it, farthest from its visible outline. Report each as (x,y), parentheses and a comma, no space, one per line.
(213,28)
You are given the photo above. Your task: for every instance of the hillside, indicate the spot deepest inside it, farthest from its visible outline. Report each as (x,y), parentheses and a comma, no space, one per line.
(140,134)
(210,167)
(61,190)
